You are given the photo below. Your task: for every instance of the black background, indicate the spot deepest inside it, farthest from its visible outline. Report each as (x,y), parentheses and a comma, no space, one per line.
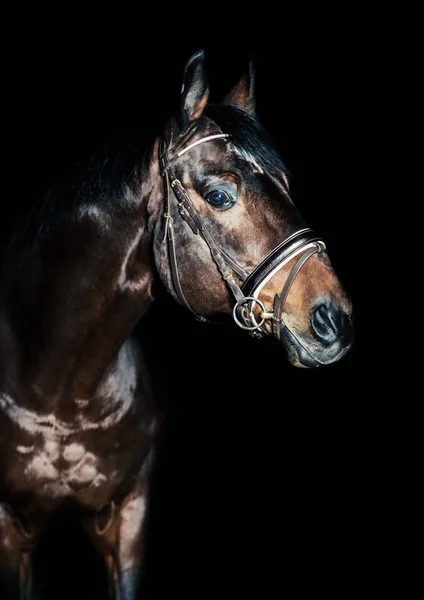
(268,475)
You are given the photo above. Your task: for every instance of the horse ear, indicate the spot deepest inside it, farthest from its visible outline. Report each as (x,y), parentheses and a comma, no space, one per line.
(243,93)
(195,89)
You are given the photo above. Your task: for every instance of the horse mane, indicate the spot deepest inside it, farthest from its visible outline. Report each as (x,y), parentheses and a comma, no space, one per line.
(102,176)
(248,136)
(112,172)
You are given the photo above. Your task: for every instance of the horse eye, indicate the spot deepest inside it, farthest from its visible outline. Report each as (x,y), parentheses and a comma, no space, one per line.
(220,199)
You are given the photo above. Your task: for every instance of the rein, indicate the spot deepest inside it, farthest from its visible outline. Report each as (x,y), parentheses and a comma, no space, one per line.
(304,242)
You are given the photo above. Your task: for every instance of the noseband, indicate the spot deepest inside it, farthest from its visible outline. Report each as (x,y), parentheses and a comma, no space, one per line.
(303,243)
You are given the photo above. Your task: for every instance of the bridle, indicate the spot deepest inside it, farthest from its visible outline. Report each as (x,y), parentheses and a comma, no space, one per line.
(303,243)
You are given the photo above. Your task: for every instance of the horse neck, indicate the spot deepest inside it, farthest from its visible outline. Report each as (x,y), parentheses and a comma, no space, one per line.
(68,304)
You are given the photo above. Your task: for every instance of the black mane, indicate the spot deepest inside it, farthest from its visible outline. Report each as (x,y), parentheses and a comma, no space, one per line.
(107,175)
(248,136)
(102,176)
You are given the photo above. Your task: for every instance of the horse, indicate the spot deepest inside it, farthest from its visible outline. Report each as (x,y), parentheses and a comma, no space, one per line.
(201,209)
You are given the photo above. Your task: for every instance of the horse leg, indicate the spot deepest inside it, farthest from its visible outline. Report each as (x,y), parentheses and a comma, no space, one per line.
(25,575)
(117,531)
(132,518)
(15,558)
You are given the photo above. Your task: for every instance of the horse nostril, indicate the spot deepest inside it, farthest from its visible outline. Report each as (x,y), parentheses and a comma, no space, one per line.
(329,324)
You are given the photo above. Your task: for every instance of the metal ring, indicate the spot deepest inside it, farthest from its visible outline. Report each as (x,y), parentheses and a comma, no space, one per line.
(241,303)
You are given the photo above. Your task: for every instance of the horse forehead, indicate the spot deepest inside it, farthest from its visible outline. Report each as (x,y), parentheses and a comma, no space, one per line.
(212,160)
(204,151)
(217,156)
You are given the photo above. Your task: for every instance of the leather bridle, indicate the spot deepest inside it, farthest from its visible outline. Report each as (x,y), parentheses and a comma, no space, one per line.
(303,243)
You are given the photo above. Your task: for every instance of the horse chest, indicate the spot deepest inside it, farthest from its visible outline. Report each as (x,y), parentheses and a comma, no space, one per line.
(45,461)
(50,465)
(61,467)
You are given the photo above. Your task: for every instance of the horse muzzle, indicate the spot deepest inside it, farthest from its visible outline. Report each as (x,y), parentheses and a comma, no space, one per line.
(329,337)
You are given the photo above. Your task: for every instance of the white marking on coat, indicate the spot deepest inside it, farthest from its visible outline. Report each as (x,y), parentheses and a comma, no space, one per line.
(29,420)
(41,467)
(85,470)
(73,452)
(99,480)
(25,449)
(61,482)
(81,402)
(132,517)
(51,449)
(87,473)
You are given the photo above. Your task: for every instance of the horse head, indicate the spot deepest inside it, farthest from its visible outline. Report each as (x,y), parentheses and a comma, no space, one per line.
(228,237)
